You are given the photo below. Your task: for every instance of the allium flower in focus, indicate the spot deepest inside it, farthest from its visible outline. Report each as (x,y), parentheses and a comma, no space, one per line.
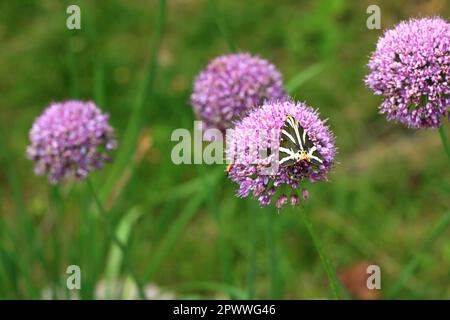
(69,139)
(230,85)
(410,68)
(260,131)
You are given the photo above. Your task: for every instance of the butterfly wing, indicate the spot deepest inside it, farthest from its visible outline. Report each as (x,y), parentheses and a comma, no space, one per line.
(295,139)
(290,143)
(314,157)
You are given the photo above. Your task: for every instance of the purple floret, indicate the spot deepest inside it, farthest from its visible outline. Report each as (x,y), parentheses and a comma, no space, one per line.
(410,69)
(70,138)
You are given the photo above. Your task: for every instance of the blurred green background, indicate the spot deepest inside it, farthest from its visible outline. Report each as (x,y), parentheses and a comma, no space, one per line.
(187,235)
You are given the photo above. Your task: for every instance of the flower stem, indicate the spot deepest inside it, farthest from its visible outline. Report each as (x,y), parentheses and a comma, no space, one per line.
(145,90)
(116,240)
(275,291)
(444,140)
(412,265)
(252,254)
(438,229)
(331,274)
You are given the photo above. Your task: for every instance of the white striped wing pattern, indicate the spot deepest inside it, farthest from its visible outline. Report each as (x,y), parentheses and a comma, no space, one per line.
(295,145)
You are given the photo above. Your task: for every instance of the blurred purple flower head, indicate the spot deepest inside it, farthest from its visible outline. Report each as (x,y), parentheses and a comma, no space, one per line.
(70,138)
(260,131)
(410,68)
(230,85)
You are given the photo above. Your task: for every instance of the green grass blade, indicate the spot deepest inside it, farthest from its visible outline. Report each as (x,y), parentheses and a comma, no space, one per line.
(26,236)
(304,76)
(222,25)
(276,285)
(129,139)
(232,291)
(329,270)
(252,234)
(444,140)
(441,226)
(167,243)
(115,256)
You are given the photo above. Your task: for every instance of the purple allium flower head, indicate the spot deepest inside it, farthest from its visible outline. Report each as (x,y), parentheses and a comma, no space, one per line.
(410,68)
(70,139)
(230,84)
(260,131)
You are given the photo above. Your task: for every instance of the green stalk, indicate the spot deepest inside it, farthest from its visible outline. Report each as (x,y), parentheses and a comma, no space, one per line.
(116,240)
(72,65)
(444,140)
(434,234)
(274,276)
(131,135)
(331,274)
(303,77)
(99,94)
(414,263)
(55,210)
(251,279)
(171,236)
(89,242)
(222,25)
(217,213)
(26,242)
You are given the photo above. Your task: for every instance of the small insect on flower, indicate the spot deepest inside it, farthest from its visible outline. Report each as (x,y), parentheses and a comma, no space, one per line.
(228,169)
(296,146)
(286,133)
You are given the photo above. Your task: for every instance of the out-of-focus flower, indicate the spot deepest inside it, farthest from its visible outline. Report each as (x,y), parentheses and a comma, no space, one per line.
(281,201)
(70,138)
(294,199)
(305,194)
(230,85)
(410,68)
(259,132)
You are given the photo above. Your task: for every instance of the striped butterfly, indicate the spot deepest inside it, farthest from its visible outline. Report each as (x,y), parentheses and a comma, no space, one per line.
(296,146)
